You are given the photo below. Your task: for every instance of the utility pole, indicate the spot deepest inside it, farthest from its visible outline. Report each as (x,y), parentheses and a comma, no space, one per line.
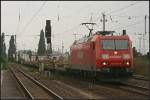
(103,20)
(91,19)
(140,38)
(62,47)
(145,24)
(143,43)
(140,44)
(144,36)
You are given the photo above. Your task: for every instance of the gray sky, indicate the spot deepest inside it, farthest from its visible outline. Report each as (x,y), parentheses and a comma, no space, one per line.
(33,15)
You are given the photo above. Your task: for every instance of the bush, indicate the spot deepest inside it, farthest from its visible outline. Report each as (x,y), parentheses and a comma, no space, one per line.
(3,63)
(141,65)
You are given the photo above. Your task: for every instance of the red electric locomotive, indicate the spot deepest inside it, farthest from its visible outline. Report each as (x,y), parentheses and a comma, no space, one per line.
(103,53)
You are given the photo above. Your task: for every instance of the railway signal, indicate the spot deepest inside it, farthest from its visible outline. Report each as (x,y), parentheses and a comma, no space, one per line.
(48,29)
(48,36)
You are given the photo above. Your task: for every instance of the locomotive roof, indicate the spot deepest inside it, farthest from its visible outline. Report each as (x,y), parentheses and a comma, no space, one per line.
(93,37)
(114,37)
(84,39)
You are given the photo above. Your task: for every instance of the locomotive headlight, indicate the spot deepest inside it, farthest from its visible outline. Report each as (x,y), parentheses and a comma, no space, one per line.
(127,63)
(104,63)
(105,56)
(126,56)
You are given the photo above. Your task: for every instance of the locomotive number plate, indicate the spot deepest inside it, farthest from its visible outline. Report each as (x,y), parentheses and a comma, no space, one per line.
(115,56)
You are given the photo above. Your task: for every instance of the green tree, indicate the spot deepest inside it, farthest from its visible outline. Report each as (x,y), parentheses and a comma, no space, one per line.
(3,57)
(3,50)
(12,49)
(41,45)
(135,53)
(0,45)
(148,54)
(1,60)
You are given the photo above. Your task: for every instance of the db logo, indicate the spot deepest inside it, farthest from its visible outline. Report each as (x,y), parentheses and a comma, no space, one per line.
(115,52)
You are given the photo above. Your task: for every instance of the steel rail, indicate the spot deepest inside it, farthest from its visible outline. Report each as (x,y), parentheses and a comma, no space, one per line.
(26,91)
(139,77)
(50,92)
(120,87)
(134,87)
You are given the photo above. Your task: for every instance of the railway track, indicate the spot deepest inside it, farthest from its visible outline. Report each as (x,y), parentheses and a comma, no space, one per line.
(137,84)
(66,91)
(31,87)
(139,77)
(128,88)
(135,88)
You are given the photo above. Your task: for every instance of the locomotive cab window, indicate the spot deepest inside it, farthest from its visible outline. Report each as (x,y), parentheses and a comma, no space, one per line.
(108,44)
(121,44)
(114,44)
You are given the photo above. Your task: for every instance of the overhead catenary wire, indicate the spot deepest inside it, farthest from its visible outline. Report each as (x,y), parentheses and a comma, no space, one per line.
(61,33)
(27,25)
(19,18)
(70,15)
(67,17)
(129,25)
(68,30)
(120,9)
(136,10)
(58,16)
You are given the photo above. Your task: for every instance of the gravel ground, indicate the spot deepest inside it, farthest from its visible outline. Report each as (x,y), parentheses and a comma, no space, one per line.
(139,82)
(9,87)
(93,90)
(62,89)
(35,90)
(104,91)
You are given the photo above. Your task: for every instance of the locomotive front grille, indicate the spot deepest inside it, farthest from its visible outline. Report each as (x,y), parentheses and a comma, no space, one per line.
(115,63)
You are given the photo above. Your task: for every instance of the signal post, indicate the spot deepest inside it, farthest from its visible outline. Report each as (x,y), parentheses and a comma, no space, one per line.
(48,37)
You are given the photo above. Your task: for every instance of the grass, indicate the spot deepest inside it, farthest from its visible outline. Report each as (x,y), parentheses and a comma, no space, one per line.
(141,65)
(3,63)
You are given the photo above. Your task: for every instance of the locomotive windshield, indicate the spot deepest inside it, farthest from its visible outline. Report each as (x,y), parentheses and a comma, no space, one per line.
(108,44)
(121,44)
(114,44)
